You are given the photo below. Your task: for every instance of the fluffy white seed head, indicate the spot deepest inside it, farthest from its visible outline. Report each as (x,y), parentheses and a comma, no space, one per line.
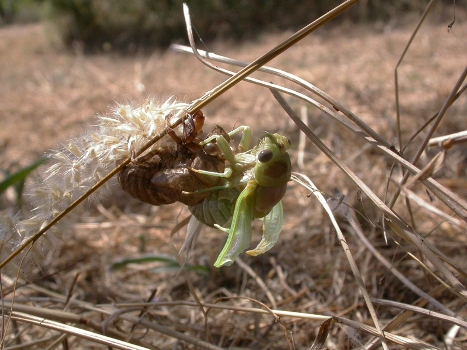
(80,164)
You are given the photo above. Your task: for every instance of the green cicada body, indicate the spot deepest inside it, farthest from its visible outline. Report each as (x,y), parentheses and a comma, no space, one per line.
(253,185)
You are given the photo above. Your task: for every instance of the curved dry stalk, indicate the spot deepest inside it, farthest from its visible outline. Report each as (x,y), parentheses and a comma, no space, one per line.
(454,202)
(262,60)
(394,221)
(419,310)
(308,184)
(396,75)
(285,90)
(200,54)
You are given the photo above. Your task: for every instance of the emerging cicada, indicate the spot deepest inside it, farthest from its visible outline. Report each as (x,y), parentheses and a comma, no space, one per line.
(222,187)
(252,186)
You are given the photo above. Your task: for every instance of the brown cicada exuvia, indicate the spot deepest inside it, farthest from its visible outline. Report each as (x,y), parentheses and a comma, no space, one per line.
(167,175)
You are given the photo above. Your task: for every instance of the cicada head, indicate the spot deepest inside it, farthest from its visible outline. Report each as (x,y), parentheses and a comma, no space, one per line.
(273,168)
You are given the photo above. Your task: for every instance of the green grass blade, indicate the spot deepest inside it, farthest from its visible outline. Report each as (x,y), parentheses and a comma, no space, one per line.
(169,264)
(20,175)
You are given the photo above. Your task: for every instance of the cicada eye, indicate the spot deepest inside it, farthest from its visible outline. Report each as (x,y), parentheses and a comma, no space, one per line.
(211,149)
(265,156)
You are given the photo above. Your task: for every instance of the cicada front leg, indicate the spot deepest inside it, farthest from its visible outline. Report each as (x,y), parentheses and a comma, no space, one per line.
(226,152)
(193,127)
(239,161)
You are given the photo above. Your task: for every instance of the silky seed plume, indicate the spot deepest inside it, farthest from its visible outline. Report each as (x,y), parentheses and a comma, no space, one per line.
(79,165)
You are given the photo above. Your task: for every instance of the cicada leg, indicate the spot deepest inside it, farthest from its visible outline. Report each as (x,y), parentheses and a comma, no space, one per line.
(192,127)
(245,141)
(227,152)
(236,165)
(224,145)
(227,172)
(210,189)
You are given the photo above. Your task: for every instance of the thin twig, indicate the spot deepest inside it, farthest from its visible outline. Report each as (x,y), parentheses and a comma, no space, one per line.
(260,61)
(396,76)
(422,311)
(439,117)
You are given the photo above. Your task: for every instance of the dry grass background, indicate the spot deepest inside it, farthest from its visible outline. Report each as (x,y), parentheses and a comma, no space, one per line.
(48,95)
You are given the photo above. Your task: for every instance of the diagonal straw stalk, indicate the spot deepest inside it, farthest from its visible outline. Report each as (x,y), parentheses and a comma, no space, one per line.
(195,106)
(268,56)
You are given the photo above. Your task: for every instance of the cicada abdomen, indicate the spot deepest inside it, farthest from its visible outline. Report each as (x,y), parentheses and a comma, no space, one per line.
(136,178)
(217,208)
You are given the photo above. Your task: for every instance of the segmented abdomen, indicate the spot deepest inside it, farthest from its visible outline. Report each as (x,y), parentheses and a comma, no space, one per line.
(217,208)
(167,178)
(136,179)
